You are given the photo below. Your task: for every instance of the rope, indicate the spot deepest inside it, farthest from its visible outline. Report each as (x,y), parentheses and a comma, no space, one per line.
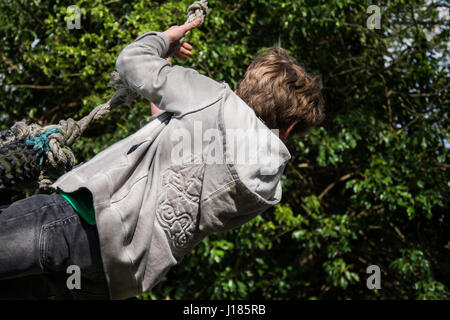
(54,141)
(198,9)
(40,143)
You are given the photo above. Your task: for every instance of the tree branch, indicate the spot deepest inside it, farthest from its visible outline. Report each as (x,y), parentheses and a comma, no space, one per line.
(325,191)
(34,86)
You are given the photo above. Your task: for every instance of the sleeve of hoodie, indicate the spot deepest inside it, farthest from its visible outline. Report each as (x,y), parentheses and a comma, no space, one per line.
(141,65)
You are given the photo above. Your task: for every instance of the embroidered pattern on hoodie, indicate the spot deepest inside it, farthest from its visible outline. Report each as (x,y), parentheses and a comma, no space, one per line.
(178,202)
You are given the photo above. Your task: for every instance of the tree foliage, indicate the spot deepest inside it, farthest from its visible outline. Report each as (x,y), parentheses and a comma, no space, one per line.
(368,187)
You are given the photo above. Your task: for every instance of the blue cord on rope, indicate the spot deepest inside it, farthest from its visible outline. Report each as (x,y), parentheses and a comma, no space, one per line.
(40,143)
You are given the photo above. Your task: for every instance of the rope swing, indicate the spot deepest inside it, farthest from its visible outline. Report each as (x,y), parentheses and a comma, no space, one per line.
(32,157)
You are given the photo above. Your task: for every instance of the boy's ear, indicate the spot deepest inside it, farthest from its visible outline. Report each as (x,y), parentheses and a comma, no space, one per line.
(154,109)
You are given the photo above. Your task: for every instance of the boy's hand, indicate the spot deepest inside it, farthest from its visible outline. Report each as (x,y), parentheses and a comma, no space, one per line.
(175,33)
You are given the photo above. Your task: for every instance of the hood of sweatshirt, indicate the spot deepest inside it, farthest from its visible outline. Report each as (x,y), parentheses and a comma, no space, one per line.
(248,180)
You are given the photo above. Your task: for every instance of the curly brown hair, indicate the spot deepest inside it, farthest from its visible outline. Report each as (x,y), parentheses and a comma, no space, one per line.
(281,92)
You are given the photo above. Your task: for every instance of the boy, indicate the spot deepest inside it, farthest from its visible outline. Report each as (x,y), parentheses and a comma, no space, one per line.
(208,162)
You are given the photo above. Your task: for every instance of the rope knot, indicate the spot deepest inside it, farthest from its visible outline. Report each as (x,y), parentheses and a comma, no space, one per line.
(40,143)
(198,9)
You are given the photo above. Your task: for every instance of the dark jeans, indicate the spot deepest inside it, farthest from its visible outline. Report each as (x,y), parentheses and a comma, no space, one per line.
(40,237)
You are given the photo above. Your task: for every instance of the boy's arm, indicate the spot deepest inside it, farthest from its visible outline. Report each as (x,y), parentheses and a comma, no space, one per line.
(143,67)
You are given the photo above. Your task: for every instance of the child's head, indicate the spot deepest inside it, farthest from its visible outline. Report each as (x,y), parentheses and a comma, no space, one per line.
(281,93)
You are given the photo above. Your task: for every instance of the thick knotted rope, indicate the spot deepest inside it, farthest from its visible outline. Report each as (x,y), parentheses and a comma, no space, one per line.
(55,140)
(59,137)
(40,143)
(198,9)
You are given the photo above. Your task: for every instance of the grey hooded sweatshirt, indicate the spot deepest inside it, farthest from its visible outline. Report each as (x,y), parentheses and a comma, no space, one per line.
(206,163)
